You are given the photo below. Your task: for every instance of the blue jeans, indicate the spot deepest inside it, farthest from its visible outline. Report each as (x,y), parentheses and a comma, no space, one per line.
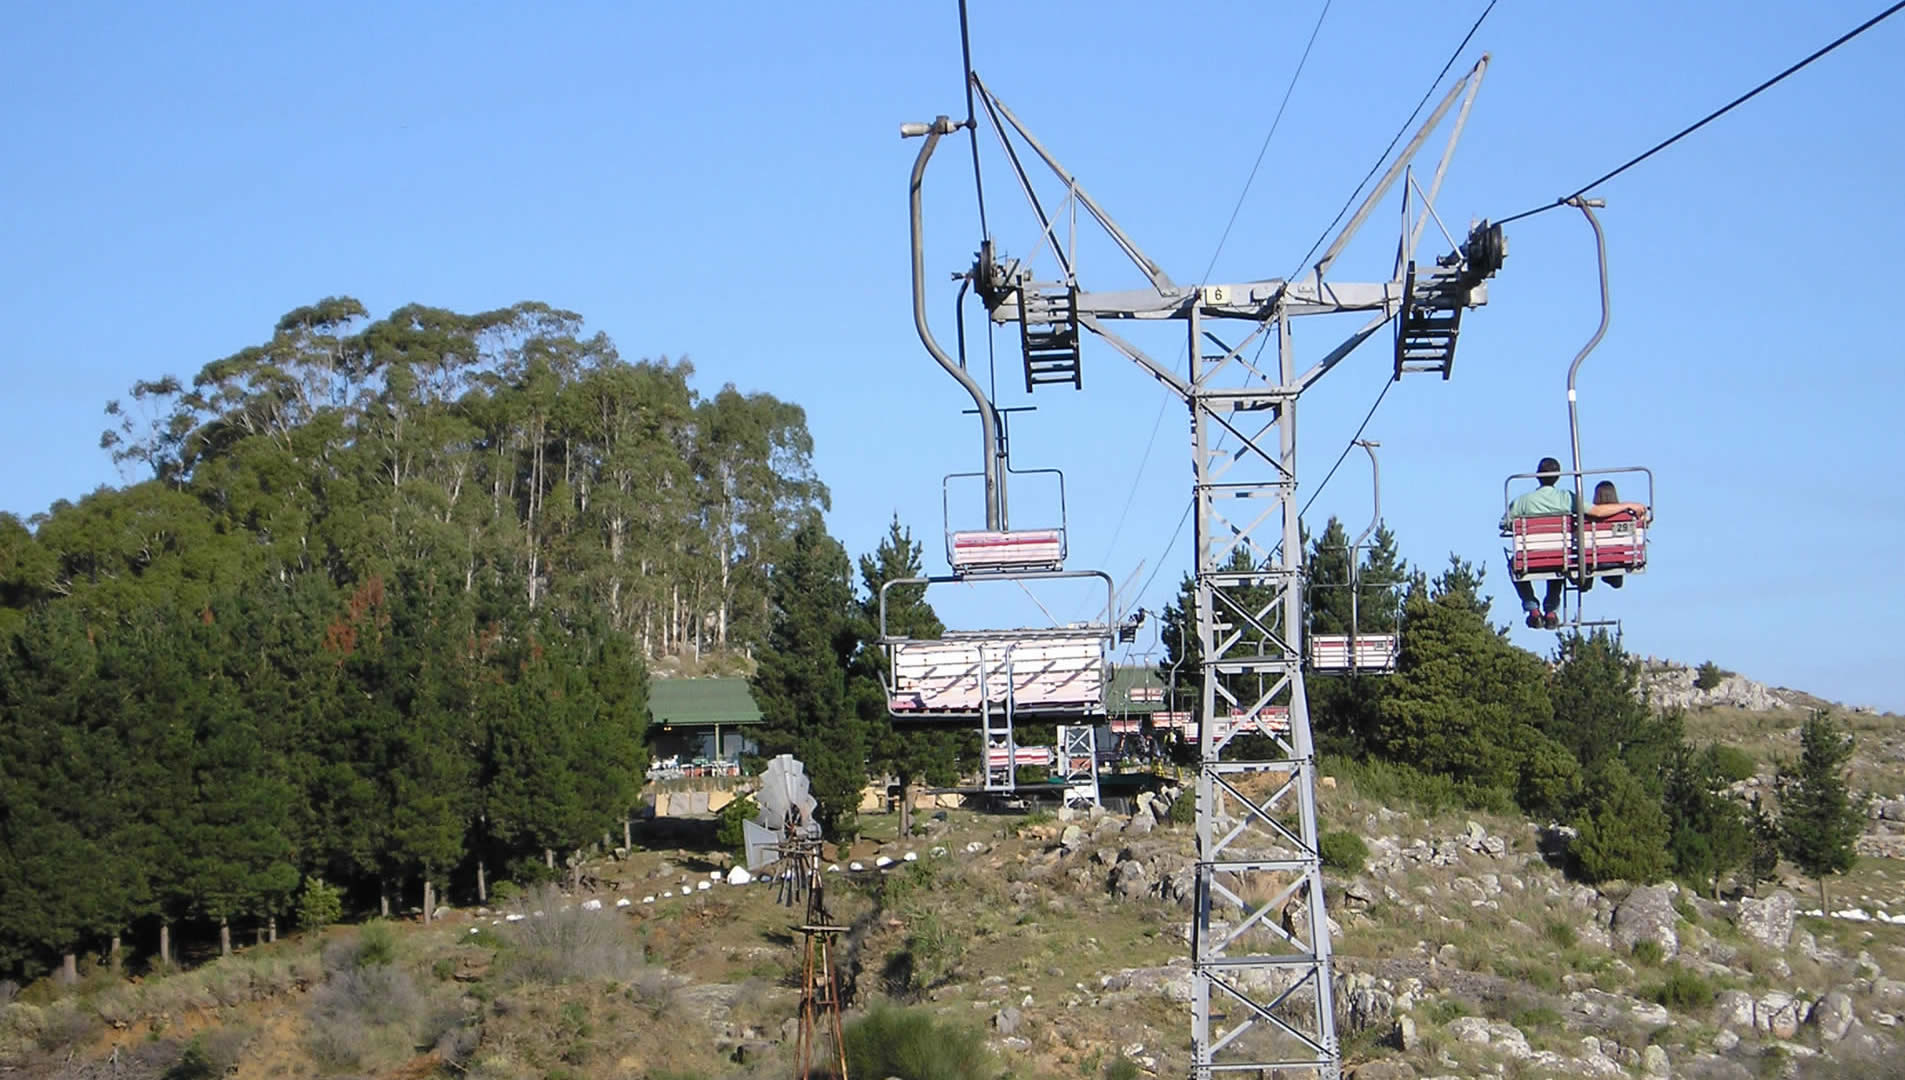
(1550,602)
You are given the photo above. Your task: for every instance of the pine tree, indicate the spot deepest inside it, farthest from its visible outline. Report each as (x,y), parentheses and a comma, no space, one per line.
(1600,715)
(911,752)
(1712,835)
(1819,817)
(1464,703)
(801,683)
(1621,833)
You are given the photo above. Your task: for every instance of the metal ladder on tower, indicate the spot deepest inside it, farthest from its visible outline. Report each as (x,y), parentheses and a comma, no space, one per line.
(1048,334)
(1000,748)
(1430,321)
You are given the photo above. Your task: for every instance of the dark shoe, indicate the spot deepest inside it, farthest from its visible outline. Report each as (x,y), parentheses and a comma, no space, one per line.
(1534,619)
(1551,620)
(1615,581)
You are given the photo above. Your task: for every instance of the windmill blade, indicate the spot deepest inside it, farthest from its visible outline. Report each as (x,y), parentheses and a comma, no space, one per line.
(762,845)
(784,787)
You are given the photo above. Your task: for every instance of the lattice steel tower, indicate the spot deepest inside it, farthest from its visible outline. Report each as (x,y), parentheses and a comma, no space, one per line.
(1261,950)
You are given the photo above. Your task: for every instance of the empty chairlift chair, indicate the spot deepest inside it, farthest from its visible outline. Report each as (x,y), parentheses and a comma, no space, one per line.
(1369,643)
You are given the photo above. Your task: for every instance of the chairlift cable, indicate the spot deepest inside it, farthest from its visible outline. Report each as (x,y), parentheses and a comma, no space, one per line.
(1175,533)
(1400,132)
(972,126)
(1276,121)
(1351,445)
(1714,115)
(1262,150)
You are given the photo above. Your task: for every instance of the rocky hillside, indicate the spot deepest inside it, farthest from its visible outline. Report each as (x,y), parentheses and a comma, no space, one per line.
(1059,945)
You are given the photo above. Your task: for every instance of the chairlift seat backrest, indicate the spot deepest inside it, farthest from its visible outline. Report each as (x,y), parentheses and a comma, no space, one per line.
(1052,671)
(1021,756)
(1373,652)
(985,551)
(1544,547)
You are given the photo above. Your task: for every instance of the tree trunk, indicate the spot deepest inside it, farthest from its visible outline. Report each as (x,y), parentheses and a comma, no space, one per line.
(114,956)
(224,936)
(258,934)
(482,883)
(549,858)
(429,901)
(628,842)
(69,968)
(906,810)
(271,928)
(1825,909)
(165,944)
(383,897)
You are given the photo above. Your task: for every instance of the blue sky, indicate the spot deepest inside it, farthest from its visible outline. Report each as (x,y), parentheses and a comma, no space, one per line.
(728,184)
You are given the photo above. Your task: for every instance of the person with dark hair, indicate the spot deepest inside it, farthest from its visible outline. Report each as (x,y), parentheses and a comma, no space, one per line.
(1607,503)
(1549,499)
(1546,500)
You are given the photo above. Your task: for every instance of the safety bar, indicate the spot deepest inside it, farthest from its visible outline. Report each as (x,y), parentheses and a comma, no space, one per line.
(1508,498)
(945,506)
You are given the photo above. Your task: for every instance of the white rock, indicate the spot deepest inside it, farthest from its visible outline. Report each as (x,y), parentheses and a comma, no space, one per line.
(1733,1009)
(1469,1029)
(834,869)
(622,901)
(1653,1062)
(739,876)
(1725,1040)
(714,875)
(856,866)
(911,856)
(592,905)
(704,886)
(648,899)
(514,916)
(883,862)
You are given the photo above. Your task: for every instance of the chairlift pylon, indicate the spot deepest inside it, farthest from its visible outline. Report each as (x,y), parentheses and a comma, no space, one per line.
(1577,548)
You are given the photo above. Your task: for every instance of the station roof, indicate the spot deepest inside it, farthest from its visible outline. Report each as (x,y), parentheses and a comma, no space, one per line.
(1134,689)
(702,702)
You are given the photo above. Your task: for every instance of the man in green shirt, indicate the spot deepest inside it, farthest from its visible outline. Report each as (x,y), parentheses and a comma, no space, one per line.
(1546,500)
(1549,499)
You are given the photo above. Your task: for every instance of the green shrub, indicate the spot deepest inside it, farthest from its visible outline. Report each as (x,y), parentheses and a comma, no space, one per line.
(319,905)
(1560,934)
(731,835)
(1649,953)
(1708,675)
(376,945)
(913,1044)
(1537,1018)
(1184,808)
(502,892)
(1391,783)
(193,1064)
(1683,990)
(1730,763)
(1121,1068)
(1032,821)
(1343,851)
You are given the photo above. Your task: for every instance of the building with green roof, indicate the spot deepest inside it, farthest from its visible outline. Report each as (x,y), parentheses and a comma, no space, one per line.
(1135,690)
(702,719)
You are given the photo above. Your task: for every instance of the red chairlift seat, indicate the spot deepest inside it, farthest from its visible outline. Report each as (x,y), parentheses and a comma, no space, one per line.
(981,552)
(1546,547)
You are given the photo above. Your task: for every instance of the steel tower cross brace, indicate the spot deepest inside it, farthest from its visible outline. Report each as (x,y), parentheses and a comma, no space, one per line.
(1262,989)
